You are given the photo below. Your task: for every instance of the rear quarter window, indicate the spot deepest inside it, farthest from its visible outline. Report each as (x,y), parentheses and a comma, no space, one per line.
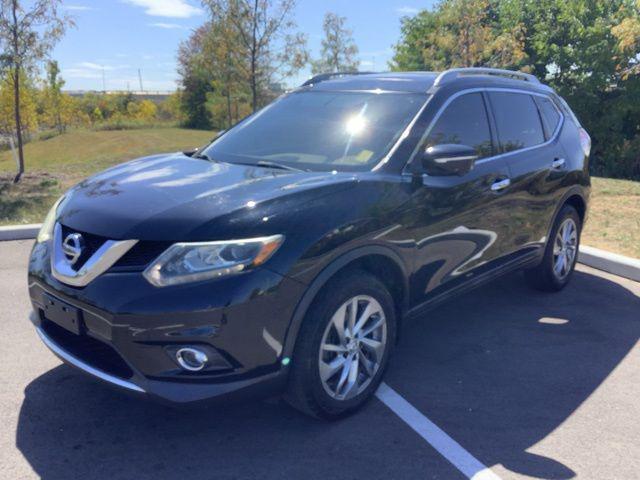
(517,120)
(549,114)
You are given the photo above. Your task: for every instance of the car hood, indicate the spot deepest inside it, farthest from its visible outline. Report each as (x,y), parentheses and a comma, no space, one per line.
(179,198)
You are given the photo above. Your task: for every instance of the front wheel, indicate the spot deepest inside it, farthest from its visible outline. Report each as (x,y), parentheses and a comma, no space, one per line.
(561,253)
(343,347)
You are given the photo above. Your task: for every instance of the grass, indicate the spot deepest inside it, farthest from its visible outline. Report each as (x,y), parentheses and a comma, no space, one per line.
(614,217)
(55,164)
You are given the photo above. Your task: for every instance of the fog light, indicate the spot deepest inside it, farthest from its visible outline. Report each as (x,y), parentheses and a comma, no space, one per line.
(191,359)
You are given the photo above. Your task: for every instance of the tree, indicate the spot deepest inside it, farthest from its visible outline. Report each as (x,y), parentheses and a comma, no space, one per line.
(585,49)
(55,103)
(339,51)
(27,34)
(459,33)
(262,40)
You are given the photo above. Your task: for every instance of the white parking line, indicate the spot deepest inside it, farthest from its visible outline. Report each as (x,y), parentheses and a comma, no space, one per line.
(436,437)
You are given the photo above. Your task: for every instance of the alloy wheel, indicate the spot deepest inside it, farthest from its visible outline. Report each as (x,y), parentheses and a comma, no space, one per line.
(352,347)
(565,248)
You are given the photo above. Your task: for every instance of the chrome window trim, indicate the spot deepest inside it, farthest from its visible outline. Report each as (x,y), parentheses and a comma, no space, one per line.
(76,362)
(101,260)
(441,110)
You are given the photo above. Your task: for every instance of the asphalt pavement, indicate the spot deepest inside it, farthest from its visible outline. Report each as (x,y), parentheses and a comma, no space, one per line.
(530,385)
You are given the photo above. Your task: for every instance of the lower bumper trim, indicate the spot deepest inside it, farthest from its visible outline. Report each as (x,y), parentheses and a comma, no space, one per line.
(76,362)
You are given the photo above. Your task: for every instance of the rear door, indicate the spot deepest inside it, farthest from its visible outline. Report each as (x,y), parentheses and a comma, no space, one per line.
(527,126)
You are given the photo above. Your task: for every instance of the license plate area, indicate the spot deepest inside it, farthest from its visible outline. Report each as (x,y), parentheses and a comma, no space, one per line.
(62,314)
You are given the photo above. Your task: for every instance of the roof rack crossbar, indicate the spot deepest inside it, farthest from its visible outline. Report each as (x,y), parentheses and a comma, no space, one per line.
(330,75)
(453,73)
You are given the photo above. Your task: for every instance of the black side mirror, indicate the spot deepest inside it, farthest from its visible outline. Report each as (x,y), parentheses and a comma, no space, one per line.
(448,159)
(192,152)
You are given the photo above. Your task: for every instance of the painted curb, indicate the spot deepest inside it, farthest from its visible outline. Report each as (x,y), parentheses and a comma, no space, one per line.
(20,232)
(620,265)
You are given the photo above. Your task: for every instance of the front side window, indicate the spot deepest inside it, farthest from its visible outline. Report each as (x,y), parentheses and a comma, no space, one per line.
(517,120)
(463,122)
(321,130)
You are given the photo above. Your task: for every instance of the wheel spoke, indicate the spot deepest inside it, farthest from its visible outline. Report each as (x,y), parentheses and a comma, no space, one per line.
(330,347)
(353,312)
(377,323)
(368,365)
(338,321)
(346,368)
(328,370)
(366,314)
(374,346)
(351,390)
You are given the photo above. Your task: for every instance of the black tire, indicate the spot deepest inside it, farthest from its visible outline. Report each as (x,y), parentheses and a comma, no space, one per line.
(305,390)
(543,277)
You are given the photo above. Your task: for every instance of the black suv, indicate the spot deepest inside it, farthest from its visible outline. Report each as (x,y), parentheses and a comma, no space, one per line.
(286,254)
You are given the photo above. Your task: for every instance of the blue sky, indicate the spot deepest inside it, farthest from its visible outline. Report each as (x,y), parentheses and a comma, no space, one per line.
(118,37)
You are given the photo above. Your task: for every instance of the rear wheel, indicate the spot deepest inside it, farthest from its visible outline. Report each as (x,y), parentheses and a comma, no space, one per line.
(343,347)
(561,253)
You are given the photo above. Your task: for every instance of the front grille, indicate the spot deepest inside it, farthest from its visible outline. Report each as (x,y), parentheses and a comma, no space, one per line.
(91,351)
(136,259)
(141,255)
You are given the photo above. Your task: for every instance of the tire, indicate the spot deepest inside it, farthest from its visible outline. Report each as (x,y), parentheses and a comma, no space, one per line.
(547,277)
(323,396)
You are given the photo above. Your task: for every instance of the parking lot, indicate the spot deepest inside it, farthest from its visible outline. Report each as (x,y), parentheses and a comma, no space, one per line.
(529,385)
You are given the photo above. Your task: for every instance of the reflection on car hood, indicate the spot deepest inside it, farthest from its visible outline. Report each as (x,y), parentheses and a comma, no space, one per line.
(175,197)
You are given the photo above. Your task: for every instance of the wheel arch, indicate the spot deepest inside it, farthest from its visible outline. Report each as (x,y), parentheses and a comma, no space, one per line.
(381,261)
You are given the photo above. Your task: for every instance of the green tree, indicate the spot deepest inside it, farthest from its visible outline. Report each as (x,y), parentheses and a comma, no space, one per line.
(339,51)
(28,32)
(586,49)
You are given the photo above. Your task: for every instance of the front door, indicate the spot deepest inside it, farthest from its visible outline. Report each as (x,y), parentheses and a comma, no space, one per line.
(460,223)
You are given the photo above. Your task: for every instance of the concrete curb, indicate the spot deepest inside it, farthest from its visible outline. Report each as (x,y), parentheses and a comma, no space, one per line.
(19,232)
(620,265)
(593,257)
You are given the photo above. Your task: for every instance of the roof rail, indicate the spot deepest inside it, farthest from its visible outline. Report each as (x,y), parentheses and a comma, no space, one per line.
(453,73)
(330,75)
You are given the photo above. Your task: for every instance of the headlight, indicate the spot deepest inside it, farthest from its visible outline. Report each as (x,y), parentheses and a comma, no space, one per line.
(46,231)
(192,262)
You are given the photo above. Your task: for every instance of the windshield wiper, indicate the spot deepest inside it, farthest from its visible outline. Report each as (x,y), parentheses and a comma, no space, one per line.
(281,166)
(203,156)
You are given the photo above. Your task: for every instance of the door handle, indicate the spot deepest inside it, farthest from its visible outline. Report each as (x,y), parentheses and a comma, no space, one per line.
(557,163)
(500,184)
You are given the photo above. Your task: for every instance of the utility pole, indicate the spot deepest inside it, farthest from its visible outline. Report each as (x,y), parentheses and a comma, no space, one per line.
(140,78)
(104,81)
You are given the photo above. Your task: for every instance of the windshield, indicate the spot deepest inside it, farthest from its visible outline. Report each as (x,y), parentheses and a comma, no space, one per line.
(320,130)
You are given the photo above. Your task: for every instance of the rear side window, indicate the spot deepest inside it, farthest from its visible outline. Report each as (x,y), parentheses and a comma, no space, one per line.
(517,120)
(549,114)
(464,122)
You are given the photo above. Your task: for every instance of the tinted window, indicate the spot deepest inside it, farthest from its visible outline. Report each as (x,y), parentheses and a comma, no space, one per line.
(517,120)
(320,130)
(464,122)
(549,114)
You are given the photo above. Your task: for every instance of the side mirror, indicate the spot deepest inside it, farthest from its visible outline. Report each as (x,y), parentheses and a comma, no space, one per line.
(192,152)
(448,159)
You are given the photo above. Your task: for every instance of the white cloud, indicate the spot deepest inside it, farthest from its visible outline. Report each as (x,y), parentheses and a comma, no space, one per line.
(366,63)
(166,8)
(79,73)
(99,67)
(77,8)
(407,10)
(168,26)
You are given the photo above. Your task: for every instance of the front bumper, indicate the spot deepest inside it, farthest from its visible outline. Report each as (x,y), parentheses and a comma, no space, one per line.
(130,329)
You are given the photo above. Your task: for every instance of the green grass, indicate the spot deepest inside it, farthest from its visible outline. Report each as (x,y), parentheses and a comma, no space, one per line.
(614,217)
(55,164)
